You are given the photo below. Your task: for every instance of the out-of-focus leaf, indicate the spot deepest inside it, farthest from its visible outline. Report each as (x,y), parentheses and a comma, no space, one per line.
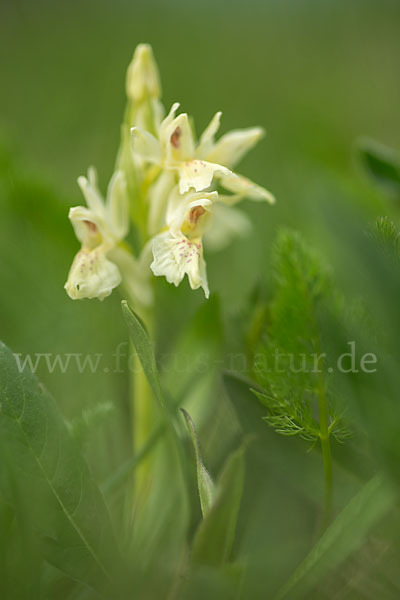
(58,493)
(144,349)
(214,538)
(382,163)
(20,579)
(249,410)
(342,538)
(196,352)
(204,481)
(90,418)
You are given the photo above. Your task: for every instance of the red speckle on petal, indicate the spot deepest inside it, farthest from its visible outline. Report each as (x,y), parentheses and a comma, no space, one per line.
(195,213)
(175,137)
(91,226)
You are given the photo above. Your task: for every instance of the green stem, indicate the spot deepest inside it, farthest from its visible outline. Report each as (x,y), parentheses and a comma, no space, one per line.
(144,413)
(326,452)
(141,404)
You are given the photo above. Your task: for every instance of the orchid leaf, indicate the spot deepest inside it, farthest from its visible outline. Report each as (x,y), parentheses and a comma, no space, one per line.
(214,538)
(204,481)
(44,472)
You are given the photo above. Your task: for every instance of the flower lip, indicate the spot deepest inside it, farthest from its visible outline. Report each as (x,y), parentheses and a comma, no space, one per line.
(176,256)
(92,275)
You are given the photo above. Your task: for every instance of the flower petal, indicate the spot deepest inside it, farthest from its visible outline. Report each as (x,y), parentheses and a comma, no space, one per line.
(91,192)
(241,186)
(231,147)
(92,275)
(206,143)
(158,113)
(227,224)
(117,205)
(158,197)
(198,174)
(90,228)
(175,256)
(146,146)
(179,140)
(165,124)
(179,206)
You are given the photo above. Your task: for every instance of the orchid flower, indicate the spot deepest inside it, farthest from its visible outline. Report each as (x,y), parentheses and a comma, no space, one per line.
(174,148)
(99,227)
(178,250)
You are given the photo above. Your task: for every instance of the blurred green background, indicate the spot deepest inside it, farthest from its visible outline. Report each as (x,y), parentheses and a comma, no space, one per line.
(316,75)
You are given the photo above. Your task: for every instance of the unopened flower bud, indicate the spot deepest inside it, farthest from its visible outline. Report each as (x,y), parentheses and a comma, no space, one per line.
(142,79)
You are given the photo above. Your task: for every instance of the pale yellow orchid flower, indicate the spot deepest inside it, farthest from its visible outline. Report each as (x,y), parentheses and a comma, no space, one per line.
(99,227)
(178,250)
(174,148)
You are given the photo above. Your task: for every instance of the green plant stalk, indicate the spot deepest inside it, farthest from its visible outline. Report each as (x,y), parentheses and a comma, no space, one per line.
(144,412)
(326,451)
(324,433)
(141,404)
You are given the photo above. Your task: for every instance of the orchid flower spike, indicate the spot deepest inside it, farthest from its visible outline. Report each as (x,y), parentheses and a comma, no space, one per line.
(166,182)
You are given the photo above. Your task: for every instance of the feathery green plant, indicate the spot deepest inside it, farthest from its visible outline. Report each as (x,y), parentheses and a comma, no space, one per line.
(292,364)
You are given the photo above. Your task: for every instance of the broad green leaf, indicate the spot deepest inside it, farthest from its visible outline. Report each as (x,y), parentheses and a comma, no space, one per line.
(89,419)
(144,349)
(342,538)
(20,579)
(382,163)
(53,483)
(214,538)
(205,483)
